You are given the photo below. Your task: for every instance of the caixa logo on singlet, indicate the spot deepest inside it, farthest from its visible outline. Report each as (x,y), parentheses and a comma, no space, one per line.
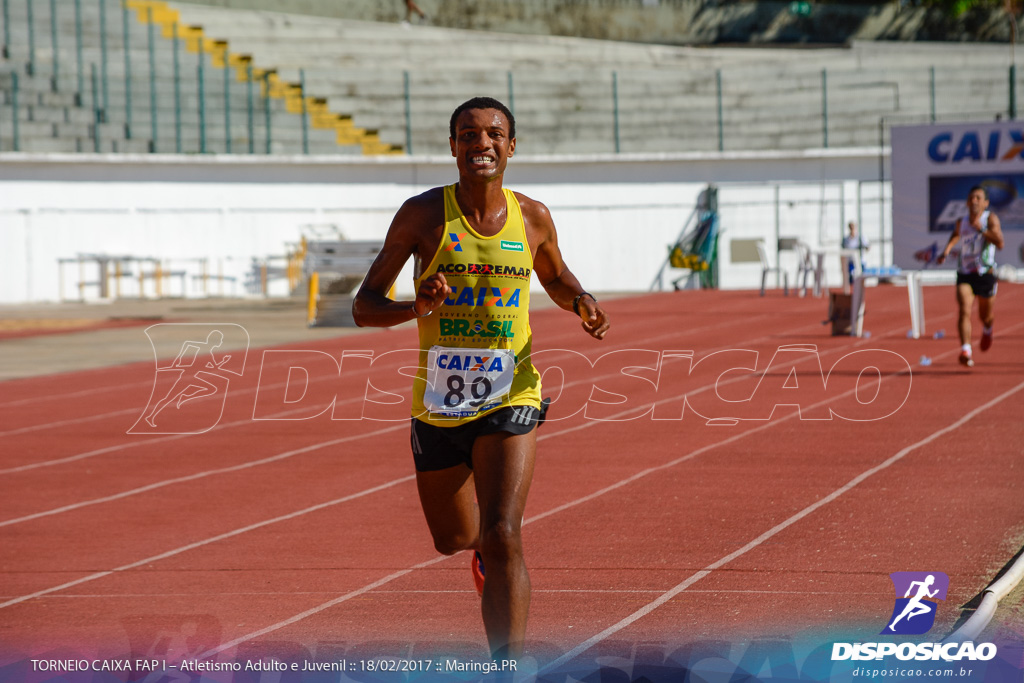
(498,297)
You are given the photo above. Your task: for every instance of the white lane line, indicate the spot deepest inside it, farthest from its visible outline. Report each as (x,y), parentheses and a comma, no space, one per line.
(253,389)
(170,553)
(664,598)
(160,484)
(453,591)
(694,578)
(396,575)
(340,599)
(200,475)
(69,421)
(207,541)
(237,423)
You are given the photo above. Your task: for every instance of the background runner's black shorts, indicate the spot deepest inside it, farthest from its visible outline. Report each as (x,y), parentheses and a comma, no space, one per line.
(983,285)
(438,448)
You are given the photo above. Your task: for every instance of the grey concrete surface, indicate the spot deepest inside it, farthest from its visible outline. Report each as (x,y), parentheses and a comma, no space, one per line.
(269,322)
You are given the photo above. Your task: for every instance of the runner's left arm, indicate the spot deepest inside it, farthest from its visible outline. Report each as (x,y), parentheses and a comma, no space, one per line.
(994,231)
(558,281)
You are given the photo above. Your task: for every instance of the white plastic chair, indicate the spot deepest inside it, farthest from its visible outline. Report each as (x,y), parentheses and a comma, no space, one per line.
(766,268)
(804,268)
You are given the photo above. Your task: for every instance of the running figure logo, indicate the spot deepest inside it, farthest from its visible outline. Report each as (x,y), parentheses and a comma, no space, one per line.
(914,613)
(189,392)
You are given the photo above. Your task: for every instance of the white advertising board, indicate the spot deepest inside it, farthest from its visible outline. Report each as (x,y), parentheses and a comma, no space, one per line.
(933,169)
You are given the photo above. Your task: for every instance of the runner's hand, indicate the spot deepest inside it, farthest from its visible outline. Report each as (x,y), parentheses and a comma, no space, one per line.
(593,318)
(433,291)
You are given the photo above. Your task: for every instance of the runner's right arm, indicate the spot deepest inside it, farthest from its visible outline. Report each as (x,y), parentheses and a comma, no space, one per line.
(953,239)
(411,228)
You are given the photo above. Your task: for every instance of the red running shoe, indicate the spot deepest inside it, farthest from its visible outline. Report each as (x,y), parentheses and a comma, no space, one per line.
(986,341)
(477,565)
(965,359)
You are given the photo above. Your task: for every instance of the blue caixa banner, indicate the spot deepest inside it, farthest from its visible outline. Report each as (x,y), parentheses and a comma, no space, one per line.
(933,169)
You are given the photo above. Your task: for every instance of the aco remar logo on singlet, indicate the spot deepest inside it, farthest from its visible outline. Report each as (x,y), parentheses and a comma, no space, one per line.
(497,270)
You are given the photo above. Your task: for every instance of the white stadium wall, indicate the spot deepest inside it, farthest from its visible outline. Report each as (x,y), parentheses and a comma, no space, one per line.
(616,214)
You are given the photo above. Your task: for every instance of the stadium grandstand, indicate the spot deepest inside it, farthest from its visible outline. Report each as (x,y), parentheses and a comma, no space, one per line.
(166,77)
(205,466)
(325,96)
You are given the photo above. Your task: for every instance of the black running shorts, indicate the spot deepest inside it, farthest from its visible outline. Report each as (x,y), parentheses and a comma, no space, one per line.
(983,285)
(438,448)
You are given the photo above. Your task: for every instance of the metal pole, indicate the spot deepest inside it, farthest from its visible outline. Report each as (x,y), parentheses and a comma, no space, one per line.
(1013,91)
(860,209)
(227,104)
(615,110)
(931,91)
(718,99)
(249,108)
(305,122)
(881,186)
(14,110)
(408,114)
(7,30)
(152,81)
(31,68)
(202,99)
(266,109)
(778,232)
(824,106)
(511,94)
(80,82)
(53,44)
(103,57)
(177,92)
(127,74)
(1013,66)
(842,213)
(95,110)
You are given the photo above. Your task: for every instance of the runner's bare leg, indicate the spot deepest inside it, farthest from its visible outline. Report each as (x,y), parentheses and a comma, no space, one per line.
(447,497)
(965,299)
(503,469)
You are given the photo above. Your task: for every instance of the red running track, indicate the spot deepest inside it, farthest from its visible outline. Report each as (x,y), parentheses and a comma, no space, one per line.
(303,537)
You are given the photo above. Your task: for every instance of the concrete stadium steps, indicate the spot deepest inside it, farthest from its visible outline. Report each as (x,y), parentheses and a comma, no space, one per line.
(55,85)
(768,96)
(356,93)
(389,39)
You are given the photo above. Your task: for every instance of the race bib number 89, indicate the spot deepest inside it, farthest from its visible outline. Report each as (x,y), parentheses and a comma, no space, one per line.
(464,381)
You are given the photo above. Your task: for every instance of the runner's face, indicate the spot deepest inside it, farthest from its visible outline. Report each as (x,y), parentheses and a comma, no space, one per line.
(976,202)
(482,145)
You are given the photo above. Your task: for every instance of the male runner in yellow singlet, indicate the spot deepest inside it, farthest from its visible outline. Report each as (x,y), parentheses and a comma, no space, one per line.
(476,400)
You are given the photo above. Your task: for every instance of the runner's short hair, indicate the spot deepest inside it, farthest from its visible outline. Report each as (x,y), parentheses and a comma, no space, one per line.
(978,188)
(483,103)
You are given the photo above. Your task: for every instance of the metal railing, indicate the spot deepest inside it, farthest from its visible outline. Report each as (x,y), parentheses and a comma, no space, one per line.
(84,77)
(617,110)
